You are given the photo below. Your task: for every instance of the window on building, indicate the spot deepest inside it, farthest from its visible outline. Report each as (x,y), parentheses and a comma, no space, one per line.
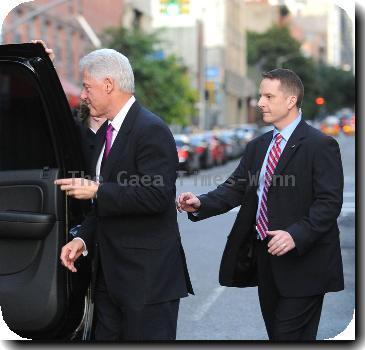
(137,19)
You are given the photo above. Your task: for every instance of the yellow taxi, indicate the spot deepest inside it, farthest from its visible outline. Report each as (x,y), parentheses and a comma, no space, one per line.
(348,127)
(331,126)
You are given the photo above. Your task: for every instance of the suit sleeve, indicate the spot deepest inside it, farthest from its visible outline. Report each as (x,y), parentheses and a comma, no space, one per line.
(153,189)
(226,196)
(88,228)
(327,190)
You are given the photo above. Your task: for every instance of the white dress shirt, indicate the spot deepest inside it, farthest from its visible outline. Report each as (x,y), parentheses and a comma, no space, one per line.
(117,123)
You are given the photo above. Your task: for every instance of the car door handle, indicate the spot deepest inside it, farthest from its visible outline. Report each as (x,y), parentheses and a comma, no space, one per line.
(25,225)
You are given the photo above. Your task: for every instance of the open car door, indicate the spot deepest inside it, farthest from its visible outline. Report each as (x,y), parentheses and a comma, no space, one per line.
(39,143)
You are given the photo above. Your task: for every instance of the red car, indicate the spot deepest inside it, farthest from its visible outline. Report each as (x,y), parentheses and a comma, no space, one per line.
(217,149)
(188,158)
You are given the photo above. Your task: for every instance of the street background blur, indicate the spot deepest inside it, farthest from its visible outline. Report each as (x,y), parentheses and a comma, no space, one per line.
(198,65)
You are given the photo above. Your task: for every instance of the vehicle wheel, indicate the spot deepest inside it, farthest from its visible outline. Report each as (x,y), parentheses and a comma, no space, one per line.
(189,168)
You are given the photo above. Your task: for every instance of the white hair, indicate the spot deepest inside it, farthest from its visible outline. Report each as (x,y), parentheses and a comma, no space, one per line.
(104,63)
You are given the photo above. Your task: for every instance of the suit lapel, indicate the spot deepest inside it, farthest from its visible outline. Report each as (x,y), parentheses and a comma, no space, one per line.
(261,151)
(99,142)
(120,140)
(292,146)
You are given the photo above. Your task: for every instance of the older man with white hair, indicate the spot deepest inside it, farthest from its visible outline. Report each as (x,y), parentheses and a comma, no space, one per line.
(141,271)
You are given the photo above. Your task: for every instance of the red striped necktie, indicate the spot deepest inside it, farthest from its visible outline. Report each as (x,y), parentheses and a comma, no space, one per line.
(262,222)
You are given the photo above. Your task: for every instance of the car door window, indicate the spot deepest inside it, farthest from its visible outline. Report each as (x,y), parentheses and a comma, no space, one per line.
(25,140)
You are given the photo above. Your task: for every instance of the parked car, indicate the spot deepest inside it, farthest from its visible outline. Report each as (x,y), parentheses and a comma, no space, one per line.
(331,126)
(189,160)
(344,115)
(247,132)
(217,148)
(201,147)
(39,143)
(348,126)
(232,143)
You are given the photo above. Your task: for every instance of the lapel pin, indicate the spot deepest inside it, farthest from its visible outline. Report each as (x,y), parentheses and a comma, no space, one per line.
(293,146)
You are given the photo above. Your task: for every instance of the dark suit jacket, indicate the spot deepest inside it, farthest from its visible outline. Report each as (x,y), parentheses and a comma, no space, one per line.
(306,204)
(134,222)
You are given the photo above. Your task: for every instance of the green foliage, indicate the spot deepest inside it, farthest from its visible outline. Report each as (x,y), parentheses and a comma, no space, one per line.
(264,49)
(336,86)
(162,84)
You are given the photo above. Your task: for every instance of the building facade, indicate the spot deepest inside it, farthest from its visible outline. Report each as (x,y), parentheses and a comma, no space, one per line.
(210,38)
(326,29)
(228,88)
(70,27)
(259,15)
(137,15)
(341,39)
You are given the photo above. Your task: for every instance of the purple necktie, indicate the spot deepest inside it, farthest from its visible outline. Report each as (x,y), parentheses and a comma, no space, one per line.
(108,140)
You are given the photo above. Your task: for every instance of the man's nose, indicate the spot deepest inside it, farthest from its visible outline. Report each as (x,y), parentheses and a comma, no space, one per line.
(83,95)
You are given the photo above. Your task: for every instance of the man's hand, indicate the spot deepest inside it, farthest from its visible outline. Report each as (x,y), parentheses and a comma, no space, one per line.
(280,243)
(70,253)
(188,202)
(49,51)
(78,188)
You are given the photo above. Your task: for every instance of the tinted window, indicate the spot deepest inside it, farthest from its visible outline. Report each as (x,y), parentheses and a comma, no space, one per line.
(25,141)
(179,143)
(196,140)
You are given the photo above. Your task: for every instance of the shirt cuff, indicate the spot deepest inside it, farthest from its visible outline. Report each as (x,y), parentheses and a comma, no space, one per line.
(85,252)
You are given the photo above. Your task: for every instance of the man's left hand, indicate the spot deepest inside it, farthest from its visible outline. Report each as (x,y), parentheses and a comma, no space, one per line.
(78,188)
(50,52)
(280,243)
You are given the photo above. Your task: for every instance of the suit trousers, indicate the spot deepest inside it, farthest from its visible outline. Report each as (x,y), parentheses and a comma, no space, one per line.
(286,319)
(117,323)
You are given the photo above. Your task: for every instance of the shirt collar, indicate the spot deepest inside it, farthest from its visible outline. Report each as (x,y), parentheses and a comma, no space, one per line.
(119,118)
(288,130)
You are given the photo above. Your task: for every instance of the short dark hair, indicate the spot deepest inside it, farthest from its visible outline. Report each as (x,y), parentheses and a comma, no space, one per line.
(289,81)
(83,114)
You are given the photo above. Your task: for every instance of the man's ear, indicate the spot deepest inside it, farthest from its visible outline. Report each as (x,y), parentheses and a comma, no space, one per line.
(292,101)
(109,85)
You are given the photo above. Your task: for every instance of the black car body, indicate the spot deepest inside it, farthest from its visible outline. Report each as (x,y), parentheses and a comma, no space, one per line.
(232,144)
(188,160)
(39,142)
(201,147)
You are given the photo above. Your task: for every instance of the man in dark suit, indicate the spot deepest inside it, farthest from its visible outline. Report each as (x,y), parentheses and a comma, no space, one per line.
(285,239)
(87,126)
(133,231)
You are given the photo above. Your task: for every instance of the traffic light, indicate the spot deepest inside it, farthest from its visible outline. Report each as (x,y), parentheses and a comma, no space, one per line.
(320,101)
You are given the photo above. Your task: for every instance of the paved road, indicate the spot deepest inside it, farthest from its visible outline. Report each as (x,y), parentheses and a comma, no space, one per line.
(219,313)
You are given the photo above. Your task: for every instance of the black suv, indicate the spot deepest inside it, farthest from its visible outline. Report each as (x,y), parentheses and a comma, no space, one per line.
(39,142)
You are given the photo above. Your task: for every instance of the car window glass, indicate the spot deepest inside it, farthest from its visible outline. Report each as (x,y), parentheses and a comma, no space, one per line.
(179,143)
(25,141)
